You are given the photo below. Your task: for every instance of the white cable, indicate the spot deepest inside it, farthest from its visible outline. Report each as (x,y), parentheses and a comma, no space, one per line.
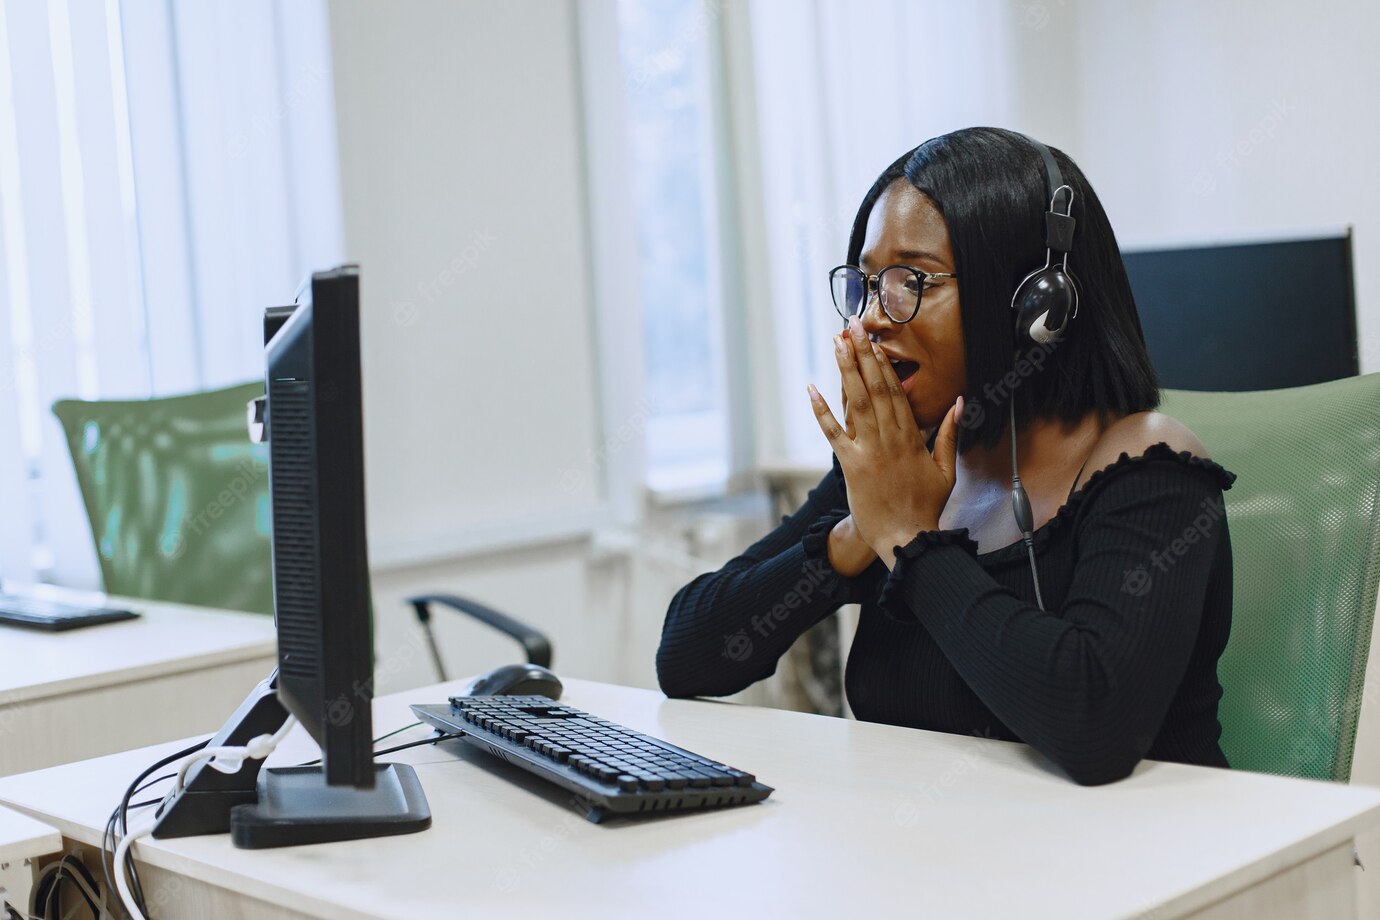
(63,868)
(54,874)
(121,883)
(229,759)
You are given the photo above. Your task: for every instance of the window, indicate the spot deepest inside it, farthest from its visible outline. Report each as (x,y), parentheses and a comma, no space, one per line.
(843,88)
(665,50)
(166,171)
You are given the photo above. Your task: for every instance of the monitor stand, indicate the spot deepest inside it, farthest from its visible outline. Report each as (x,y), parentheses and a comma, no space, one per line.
(286,806)
(295,806)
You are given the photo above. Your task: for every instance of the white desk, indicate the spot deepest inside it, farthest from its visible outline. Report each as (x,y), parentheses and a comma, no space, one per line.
(173,672)
(866,819)
(22,841)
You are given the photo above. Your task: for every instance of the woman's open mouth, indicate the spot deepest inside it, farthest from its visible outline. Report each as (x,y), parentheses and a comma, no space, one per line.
(904,371)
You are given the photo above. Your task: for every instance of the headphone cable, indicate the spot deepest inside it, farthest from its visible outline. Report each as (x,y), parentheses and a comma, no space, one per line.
(1020,506)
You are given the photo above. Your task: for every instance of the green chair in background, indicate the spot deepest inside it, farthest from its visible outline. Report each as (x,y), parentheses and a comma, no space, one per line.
(1304,515)
(178,502)
(177,497)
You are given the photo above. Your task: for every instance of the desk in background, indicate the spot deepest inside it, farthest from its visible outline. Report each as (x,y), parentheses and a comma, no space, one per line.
(22,841)
(175,671)
(866,819)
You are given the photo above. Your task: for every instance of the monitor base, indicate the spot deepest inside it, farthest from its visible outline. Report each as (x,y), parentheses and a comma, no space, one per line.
(296,807)
(204,803)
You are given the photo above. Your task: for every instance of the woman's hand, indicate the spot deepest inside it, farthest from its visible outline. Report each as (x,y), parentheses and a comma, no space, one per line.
(849,553)
(895,487)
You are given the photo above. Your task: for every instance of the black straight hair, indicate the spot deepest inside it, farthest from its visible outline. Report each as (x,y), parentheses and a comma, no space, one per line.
(991,188)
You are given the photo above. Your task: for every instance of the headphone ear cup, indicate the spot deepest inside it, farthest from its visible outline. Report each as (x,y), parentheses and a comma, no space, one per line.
(1045,301)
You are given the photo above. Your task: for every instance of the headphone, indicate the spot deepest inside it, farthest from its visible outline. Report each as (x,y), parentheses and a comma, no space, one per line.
(1044,303)
(1047,298)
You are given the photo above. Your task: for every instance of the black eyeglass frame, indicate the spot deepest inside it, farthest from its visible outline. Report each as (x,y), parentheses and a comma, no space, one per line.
(873,284)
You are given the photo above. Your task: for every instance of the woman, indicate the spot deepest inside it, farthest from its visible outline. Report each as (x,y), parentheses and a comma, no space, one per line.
(1104,655)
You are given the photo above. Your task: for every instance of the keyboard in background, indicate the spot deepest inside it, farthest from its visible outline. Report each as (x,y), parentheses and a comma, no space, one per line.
(613,769)
(54,616)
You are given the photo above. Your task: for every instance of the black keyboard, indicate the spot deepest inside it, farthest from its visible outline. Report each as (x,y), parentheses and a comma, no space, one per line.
(611,769)
(36,613)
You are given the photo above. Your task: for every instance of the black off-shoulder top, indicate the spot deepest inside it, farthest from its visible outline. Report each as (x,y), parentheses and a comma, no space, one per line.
(1136,574)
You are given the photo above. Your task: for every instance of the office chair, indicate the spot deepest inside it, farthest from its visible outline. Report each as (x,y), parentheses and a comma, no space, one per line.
(534,643)
(177,497)
(1304,516)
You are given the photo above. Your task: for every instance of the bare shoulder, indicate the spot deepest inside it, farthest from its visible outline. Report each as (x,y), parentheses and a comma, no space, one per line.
(1135,433)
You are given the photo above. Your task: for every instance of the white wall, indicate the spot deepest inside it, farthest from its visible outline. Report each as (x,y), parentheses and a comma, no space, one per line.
(463,198)
(1202,121)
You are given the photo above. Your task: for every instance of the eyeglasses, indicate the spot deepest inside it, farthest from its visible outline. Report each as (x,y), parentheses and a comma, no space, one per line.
(899,286)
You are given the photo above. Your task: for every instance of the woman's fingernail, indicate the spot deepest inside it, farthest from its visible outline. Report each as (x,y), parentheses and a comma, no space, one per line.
(854,325)
(839,346)
(814,394)
(958,409)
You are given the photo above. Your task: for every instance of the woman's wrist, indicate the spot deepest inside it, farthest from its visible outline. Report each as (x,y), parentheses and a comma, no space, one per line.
(849,555)
(886,547)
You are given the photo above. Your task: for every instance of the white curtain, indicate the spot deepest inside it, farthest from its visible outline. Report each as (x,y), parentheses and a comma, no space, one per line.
(844,87)
(167,169)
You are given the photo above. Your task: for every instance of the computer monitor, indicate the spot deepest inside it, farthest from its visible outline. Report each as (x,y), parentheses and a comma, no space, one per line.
(311,416)
(320,560)
(1248,316)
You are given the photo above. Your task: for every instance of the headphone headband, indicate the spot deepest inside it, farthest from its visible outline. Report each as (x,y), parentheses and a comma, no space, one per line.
(1047,298)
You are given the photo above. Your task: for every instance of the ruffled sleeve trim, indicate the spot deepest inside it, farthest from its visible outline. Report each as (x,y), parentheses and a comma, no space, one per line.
(889,597)
(816,545)
(905,555)
(1066,514)
(1158,451)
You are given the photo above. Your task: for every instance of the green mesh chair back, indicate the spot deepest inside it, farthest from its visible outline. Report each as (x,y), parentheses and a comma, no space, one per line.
(177,496)
(1303,515)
